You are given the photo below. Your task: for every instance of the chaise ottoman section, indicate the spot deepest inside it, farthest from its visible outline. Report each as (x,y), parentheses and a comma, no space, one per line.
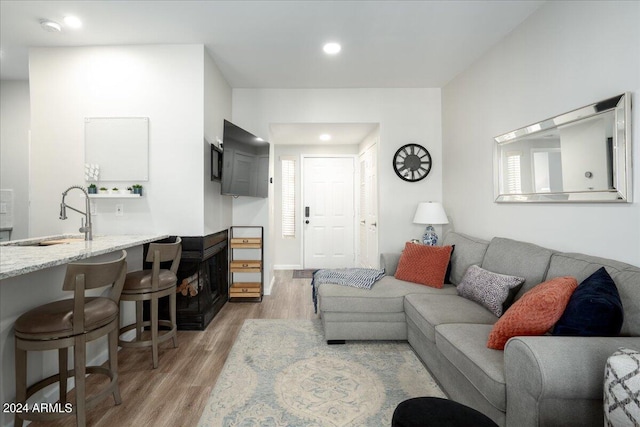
(369,314)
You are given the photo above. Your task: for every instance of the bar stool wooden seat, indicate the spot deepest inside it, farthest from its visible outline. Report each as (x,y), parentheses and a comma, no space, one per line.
(151,285)
(72,323)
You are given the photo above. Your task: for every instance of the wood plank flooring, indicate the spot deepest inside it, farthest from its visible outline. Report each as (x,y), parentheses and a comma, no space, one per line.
(175,393)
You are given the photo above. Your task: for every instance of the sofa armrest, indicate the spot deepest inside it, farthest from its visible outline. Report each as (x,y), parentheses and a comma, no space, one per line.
(389,261)
(543,374)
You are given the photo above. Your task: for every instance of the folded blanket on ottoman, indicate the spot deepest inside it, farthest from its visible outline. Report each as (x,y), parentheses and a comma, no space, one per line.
(354,277)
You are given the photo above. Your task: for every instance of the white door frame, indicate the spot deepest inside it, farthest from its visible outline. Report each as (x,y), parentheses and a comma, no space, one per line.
(356,197)
(374,262)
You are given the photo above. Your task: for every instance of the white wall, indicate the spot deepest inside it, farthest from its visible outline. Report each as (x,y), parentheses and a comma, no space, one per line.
(565,56)
(288,251)
(217,108)
(14,151)
(369,140)
(162,82)
(405,116)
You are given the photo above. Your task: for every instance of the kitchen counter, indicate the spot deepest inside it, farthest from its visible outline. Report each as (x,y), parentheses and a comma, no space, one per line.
(19,257)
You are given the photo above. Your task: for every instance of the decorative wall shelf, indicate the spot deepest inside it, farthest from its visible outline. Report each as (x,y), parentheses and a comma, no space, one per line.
(114,196)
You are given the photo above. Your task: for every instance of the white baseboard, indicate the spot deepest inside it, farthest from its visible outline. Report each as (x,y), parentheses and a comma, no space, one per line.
(267,290)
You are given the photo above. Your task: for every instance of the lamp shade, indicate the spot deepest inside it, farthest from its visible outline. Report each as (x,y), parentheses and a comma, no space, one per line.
(430,213)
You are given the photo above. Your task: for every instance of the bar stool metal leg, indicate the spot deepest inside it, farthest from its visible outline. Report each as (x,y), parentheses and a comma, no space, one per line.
(79,367)
(63,370)
(172,313)
(154,331)
(21,380)
(113,361)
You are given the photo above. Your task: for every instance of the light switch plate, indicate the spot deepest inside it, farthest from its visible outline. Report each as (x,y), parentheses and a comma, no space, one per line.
(119,209)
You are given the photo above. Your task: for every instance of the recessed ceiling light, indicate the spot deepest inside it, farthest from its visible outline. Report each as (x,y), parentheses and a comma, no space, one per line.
(332,48)
(325,137)
(73,21)
(259,139)
(50,26)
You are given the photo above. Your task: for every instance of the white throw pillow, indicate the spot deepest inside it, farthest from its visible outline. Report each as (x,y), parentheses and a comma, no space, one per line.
(621,388)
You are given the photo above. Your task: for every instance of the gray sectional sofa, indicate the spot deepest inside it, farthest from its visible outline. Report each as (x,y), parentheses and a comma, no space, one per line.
(536,380)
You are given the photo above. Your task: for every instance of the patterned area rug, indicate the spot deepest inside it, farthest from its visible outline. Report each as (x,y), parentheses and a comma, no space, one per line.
(282,373)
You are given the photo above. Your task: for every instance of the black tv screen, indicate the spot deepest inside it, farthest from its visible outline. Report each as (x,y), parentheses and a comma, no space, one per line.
(245,163)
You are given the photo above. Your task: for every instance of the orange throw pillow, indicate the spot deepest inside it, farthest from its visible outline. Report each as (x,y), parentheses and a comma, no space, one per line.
(424,264)
(535,313)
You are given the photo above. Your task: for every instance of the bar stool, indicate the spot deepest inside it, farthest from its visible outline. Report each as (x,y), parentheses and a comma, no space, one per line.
(151,285)
(72,323)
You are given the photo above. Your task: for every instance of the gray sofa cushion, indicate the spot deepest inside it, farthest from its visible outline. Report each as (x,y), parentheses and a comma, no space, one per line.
(429,311)
(469,251)
(465,346)
(340,316)
(386,295)
(626,277)
(389,262)
(515,258)
(384,329)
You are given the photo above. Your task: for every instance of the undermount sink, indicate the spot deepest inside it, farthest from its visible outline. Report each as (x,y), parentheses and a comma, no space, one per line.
(48,242)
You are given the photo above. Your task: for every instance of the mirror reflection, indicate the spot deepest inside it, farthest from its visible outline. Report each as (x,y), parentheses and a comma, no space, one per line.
(578,156)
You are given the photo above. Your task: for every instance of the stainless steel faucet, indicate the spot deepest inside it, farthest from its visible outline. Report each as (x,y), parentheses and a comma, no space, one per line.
(85,224)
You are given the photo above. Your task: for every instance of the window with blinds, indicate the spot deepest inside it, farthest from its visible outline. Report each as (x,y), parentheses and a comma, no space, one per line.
(288,197)
(514,182)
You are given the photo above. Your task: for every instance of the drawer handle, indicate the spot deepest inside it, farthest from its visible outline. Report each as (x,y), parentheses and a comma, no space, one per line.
(245,265)
(245,240)
(245,290)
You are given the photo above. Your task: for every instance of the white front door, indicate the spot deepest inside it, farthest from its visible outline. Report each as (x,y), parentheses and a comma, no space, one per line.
(328,212)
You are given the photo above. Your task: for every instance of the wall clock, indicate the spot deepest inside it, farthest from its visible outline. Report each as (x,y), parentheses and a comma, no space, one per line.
(412,162)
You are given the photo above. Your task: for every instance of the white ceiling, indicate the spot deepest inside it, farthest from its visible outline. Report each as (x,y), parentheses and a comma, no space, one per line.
(277,44)
(309,133)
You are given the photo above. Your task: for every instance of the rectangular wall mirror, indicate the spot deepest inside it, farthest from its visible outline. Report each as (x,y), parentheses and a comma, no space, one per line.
(118,146)
(580,156)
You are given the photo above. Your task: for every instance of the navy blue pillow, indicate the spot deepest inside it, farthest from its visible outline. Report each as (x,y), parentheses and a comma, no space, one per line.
(594,309)
(447,274)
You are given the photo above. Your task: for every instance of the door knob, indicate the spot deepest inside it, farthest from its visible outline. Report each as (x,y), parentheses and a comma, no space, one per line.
(306,222)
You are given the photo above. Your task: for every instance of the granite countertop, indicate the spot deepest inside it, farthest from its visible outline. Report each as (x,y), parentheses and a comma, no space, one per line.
(23,256)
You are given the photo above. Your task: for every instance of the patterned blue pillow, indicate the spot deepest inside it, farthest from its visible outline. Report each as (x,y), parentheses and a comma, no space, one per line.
(594,310)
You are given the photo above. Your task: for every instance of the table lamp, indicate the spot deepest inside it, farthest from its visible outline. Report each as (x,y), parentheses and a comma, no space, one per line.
(430,213)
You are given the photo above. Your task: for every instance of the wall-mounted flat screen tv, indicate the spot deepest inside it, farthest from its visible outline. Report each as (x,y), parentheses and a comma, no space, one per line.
(245,163)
